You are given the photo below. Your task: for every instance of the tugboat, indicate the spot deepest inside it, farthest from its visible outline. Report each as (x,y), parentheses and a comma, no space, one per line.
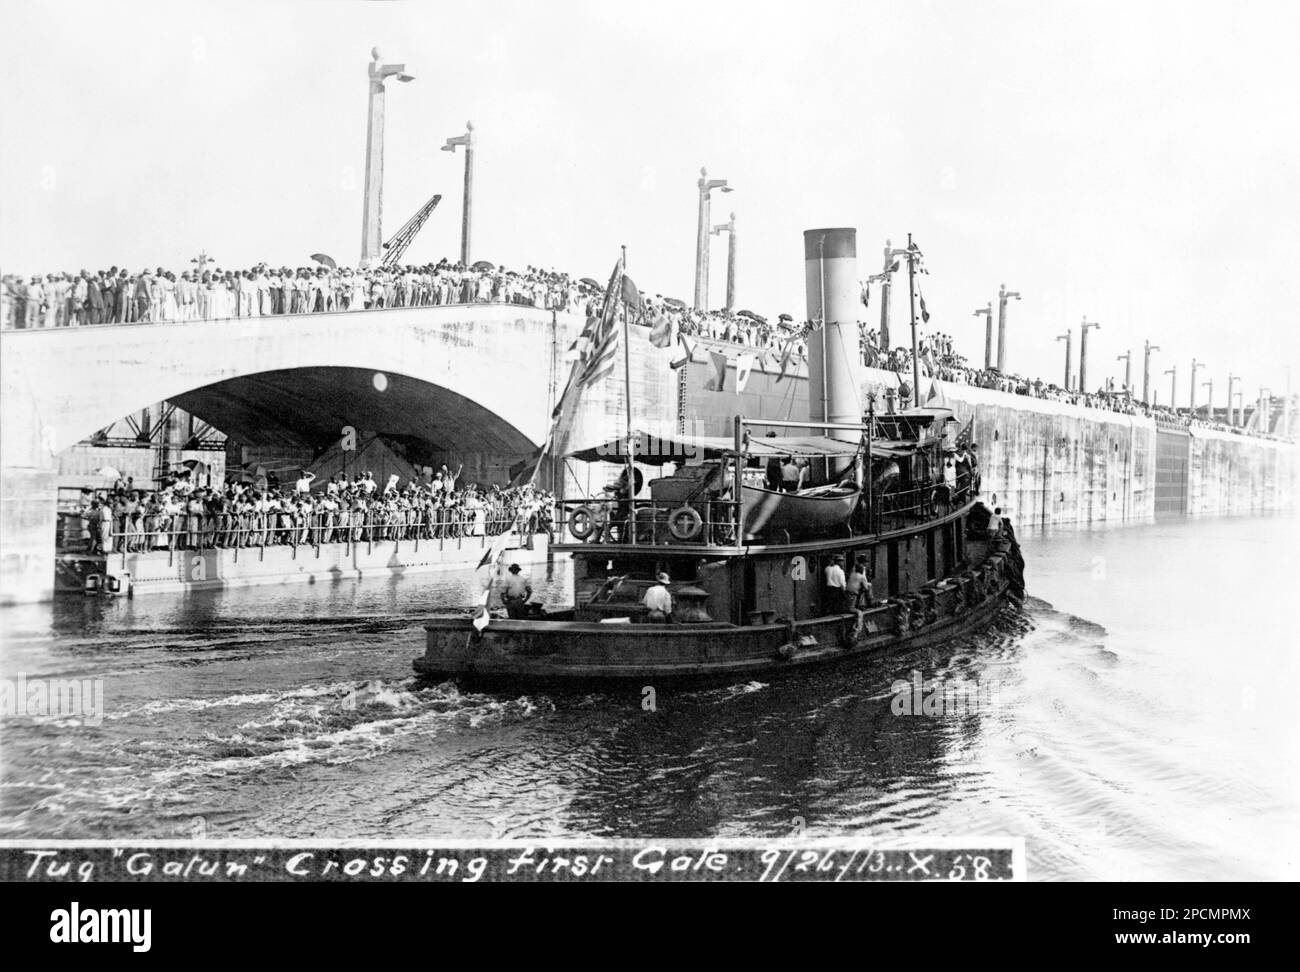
(874,550)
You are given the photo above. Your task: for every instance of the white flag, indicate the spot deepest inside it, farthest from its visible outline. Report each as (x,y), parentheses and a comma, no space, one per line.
(744,365)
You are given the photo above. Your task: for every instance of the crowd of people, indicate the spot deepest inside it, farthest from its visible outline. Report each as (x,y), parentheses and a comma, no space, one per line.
(116,296)
(119,296)
(180,515)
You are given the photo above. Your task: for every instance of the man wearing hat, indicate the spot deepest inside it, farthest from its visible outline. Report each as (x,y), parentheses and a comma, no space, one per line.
(658,602)
(835,598)
(515,592)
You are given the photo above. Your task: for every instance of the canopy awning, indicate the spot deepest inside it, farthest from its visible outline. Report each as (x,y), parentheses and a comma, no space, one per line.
(656,450)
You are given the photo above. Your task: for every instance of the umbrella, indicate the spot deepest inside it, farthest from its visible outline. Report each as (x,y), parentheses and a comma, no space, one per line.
(752,316)
(195,465)
(483,265)
(591,283)
(674,302)
(326,260)
(108,472)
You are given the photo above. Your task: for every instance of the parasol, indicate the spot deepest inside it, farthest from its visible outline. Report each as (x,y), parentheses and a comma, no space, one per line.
(325,260)
(673,301)
(197,466)
(108,472)
(752,316)
(483,265)
(591,283)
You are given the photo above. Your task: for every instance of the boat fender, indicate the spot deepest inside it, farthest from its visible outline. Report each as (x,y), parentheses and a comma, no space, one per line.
(112,585)
(582,522)
(684,523)
(91,585)
(902,612)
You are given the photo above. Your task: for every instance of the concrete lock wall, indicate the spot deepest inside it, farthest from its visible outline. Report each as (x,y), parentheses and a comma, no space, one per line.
(1043,462)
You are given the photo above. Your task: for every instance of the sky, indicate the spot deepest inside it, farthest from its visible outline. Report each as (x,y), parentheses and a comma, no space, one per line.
(1134,163)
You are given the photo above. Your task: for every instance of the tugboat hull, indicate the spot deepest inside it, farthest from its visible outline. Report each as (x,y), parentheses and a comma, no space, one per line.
(586,654)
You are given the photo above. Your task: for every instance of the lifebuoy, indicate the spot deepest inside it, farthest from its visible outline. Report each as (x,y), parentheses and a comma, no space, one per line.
(684,523)
(112,584)
(582,522)
(91,585)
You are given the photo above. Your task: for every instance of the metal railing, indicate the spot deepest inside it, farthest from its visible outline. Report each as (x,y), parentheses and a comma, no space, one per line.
(648,523)
(146,532)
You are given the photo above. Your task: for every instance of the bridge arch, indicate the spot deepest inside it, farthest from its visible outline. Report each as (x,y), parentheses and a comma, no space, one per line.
(494,368)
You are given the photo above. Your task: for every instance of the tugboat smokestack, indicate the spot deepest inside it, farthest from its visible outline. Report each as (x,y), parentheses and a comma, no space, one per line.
(834,355)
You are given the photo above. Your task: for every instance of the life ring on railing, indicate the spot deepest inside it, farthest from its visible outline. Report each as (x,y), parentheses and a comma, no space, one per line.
(582,522)
(684,523)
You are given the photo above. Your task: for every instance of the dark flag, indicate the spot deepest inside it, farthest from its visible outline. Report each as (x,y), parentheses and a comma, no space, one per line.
(718,380)
(661,331)
(631,297)
(925,314)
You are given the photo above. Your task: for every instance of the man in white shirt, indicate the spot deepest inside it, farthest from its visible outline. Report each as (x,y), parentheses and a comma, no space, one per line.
(834,582)
(515,592)
(303,486)
(995,523)
(658,601)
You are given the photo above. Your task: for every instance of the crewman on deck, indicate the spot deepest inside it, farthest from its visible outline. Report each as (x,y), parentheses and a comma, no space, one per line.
(658,600)
(772,472)
(836,596)
(791,475)
(858,586)
(995,523)
(515,592)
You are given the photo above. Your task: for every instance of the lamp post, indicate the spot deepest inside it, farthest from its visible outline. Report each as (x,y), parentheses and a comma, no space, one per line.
(1240,408)
(1083,353)
(988,334)
(887,276)
(1127,358)
(1209,404)
(1191,401)
(466,140)
(706,186)
(1232,379)
(372,244)
(1148,347)
(913,254)
(1003,295)
(1173,386)
(1264,409)
(1068,338)
(729,228)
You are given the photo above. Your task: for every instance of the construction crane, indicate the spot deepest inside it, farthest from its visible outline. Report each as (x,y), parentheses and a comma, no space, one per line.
(395,247)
